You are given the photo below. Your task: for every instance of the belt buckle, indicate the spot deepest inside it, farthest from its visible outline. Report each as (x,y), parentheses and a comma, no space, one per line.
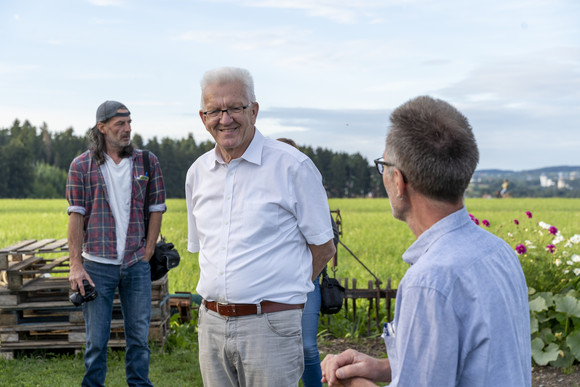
(223,304)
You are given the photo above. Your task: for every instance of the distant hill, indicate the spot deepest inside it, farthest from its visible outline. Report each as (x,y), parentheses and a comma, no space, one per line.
(557,181)
(561,168)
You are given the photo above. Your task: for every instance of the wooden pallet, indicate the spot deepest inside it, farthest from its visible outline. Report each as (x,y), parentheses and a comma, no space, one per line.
(35,310)
(30,247)
(30,336)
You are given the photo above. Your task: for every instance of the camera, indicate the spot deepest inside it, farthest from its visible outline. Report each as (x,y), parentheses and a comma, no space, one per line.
(90,294)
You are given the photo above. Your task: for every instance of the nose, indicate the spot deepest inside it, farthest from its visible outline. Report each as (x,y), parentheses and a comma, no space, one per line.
(225,117)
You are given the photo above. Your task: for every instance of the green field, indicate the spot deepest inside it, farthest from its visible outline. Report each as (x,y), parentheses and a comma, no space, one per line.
(369,230)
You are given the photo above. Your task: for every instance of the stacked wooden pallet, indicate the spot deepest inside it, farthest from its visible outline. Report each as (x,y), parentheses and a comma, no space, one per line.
(35,310)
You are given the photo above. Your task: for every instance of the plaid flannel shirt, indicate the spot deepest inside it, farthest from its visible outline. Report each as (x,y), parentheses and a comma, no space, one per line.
(87,194)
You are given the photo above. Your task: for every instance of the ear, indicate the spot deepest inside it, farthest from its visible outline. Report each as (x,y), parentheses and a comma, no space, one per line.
(101,127)
(399,183)
(255,108)
(202,116)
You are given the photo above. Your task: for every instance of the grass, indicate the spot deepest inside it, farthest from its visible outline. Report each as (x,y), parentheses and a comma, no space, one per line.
(368,230)
(177,368)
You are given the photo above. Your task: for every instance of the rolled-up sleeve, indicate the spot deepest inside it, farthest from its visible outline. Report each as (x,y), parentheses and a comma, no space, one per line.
(75,193)
(157,189)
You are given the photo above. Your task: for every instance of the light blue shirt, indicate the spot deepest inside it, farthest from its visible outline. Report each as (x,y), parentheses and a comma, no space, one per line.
(462,315)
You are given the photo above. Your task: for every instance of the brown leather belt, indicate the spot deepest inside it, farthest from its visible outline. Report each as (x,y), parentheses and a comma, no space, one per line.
(236,310)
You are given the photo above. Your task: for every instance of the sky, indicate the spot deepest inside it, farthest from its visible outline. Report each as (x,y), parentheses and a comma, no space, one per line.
(327,73)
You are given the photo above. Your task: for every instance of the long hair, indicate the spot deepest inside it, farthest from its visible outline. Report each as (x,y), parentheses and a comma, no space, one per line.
(97,146)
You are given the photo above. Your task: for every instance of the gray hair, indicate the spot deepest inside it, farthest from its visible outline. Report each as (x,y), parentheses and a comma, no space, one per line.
(225,75)
(433,144)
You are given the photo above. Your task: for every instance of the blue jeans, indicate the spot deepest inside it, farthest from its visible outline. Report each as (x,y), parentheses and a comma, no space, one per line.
(134,285)
(312,373)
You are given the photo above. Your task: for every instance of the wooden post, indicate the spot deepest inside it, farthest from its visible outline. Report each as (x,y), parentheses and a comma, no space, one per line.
(354,301)
(388,299)
(370,287)
(345,299)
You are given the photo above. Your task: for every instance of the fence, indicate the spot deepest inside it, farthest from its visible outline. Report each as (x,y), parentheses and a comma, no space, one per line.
(373,293)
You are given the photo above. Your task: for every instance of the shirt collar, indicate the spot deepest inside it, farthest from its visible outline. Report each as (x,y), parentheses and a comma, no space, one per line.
(442,227)
(253,154)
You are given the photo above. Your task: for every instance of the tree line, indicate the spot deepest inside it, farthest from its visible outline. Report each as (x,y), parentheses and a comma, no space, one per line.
(35,162)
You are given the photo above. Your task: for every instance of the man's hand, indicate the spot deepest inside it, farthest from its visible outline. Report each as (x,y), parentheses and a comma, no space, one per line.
(352,368)
(76,276)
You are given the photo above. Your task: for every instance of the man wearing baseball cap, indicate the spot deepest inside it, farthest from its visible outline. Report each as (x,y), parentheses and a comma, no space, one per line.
(109,246)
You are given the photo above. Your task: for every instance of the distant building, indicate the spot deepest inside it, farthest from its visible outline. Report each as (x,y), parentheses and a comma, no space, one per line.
(545,181)
(562,183)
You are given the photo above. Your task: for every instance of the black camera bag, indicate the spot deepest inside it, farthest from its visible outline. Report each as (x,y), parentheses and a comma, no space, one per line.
(165,257)
(332,294)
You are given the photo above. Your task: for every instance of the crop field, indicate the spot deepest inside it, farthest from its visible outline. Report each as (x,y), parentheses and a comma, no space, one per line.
(369,230)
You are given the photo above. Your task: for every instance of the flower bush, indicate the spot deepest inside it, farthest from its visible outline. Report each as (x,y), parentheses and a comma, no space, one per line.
(551,265)
(550,261)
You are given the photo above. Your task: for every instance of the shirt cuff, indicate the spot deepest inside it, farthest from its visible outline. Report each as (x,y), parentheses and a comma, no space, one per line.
(77,209)
(158,208)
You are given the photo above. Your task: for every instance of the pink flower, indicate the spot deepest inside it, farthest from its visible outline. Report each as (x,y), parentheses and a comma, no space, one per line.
(475,220)
(529,214)
(553,230)
(551,248)
(485,222)
(517,222)
(521,249)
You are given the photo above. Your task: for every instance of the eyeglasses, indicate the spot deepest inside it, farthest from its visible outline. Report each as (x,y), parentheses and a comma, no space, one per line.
(231,111)
(380,163)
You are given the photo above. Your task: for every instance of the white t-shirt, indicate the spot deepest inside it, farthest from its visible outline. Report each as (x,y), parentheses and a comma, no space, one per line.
(252,220)
(118,181)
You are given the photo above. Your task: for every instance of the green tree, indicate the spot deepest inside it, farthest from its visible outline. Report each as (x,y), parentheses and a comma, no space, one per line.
(16,162)
(49,182)
(66,147)
(359,175)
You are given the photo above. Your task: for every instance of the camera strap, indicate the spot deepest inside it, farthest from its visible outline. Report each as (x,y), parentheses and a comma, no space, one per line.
(146,201)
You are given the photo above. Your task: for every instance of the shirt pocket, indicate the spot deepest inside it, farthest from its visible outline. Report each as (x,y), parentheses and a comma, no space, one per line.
(139,188)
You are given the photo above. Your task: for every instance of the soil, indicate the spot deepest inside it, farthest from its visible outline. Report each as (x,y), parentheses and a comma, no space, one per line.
(541,376)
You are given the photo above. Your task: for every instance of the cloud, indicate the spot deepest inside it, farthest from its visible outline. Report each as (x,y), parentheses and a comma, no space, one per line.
(107,3)
(349,131)
(11,68)
(339,11)
(543,83)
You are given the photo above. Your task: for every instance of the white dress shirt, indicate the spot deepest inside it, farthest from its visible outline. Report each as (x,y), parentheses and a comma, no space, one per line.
(251,221)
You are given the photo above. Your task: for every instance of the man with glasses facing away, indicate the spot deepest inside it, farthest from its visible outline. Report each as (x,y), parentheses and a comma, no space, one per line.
(461,313)
(258,216)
